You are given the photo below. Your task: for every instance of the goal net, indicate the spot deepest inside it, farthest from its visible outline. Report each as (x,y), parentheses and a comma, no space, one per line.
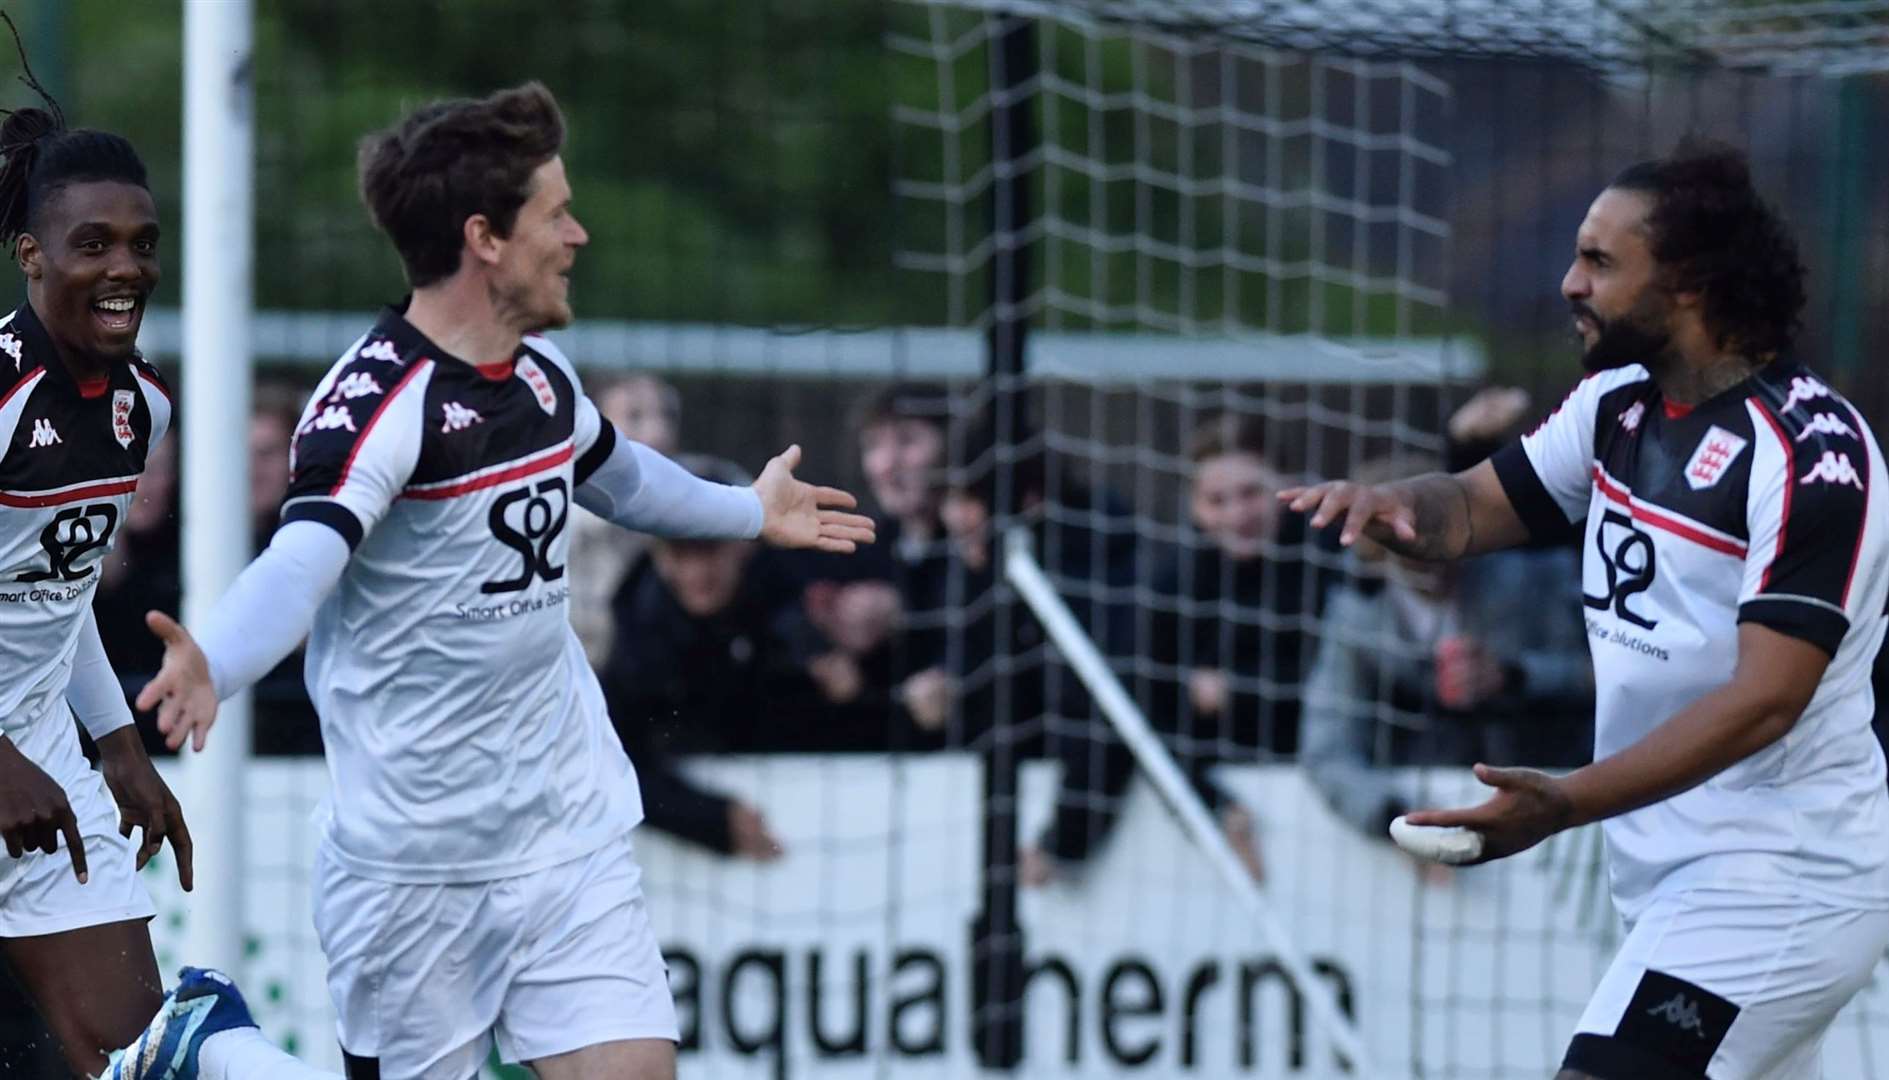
(1219,247)
(1240,264)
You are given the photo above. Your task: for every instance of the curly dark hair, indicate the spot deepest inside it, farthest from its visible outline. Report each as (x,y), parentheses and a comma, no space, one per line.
(422,178)
(1712,234)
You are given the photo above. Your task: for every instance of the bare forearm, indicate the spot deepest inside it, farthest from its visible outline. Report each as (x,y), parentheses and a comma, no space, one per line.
(1444,525)
(1714,733)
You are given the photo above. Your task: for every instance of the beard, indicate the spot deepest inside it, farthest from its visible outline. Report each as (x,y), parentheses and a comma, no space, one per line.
(1638,337)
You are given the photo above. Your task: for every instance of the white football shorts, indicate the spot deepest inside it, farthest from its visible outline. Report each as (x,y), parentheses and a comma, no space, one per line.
(425,978)
(40,894)
(1731,985)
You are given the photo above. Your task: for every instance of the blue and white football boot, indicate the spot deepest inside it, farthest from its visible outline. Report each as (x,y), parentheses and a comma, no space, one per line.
(203,1003)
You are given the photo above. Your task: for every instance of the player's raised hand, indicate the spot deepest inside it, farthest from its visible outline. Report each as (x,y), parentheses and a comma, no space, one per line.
(796,514)
(34,812)
(1527,808)
(144,801)
(1384,512)
(182,693)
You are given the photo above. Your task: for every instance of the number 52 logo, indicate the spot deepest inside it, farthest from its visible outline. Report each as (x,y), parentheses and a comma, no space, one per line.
(1626,555)
(529,520)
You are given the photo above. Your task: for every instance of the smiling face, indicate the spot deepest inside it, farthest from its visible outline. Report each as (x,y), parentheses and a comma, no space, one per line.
(1621,313)
(90,260)
(1233,503)
(530,279)
(902,459)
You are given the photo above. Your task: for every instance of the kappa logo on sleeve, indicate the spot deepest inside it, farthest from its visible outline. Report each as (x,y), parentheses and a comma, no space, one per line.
(332,418)
(1630,418)
(359,384)
(1718,449)
(1803,389)
(382,350)
(10,344)
(1825,423)
(1833,468)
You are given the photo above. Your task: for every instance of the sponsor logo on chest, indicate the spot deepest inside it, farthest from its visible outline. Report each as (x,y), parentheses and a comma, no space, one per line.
(1715,452)
(122,401)
(540,384)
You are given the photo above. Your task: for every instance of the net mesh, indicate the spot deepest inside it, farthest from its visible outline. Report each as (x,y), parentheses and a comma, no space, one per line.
(1332,221)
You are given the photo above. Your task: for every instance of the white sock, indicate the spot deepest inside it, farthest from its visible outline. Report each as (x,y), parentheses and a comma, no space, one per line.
(243,1054)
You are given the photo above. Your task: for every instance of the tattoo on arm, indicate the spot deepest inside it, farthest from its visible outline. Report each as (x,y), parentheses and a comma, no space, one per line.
(1445,527)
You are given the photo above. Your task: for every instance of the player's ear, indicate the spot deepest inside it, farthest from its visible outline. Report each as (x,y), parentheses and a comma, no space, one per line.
(31,259)
(482,240)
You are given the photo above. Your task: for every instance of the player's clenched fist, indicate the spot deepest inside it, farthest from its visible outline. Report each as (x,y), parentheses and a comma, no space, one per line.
(1386,513)
(34,811)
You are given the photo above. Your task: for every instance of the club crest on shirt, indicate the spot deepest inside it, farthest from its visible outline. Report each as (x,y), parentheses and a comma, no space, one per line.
(122,400)
(534,377)
(1718,449)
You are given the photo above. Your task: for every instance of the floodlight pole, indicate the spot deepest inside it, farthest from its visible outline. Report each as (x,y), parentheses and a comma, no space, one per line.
(219,238)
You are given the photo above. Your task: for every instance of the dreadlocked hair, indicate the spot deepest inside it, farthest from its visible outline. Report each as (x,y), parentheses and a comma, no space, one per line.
(1712,234)
(38,155)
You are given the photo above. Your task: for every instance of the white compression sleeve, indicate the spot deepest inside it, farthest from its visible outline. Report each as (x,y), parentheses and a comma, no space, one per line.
(640,489)
(270,606)
(95,694)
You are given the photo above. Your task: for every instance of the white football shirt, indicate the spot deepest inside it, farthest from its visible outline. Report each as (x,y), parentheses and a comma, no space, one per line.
(1763,504)
(70,459)
(465,733)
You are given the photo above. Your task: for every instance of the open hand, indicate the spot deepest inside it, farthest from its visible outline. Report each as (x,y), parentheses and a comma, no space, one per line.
(144,802)
(796,514)
(1527,808)
(182,693)
(1383,511)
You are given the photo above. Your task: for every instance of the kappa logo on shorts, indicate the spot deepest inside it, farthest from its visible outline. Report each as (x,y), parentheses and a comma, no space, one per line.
(1681,1012)
(1677,1020)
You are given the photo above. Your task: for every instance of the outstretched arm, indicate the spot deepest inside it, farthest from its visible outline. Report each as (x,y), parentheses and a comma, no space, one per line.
(1435,516)
(261,619)
(640,489)
(1776,676)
